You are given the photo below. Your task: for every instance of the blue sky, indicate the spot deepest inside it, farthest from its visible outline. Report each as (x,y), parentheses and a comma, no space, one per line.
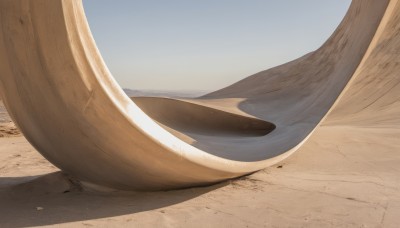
(206,44)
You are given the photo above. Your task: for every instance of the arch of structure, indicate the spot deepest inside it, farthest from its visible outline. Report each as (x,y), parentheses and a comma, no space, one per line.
(60,93)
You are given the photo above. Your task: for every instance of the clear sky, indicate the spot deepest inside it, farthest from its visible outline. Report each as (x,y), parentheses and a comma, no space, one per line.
(206,44)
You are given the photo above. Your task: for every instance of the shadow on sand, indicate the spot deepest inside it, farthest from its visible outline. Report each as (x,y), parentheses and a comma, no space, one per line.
(53,199)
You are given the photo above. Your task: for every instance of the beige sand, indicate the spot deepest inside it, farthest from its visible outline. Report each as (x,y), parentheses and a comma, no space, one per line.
(344,176)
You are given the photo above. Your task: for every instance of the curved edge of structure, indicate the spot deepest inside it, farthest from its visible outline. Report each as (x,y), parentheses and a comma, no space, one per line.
(65,101)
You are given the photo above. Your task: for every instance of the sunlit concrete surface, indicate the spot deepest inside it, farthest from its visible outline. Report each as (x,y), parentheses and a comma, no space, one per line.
(60,93)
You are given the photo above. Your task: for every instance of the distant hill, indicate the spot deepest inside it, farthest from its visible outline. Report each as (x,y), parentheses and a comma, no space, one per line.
(161,93)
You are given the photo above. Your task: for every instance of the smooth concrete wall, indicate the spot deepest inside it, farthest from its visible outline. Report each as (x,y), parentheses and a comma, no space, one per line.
(59,91)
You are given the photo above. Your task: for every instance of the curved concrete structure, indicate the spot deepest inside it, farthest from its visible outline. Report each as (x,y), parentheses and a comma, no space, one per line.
(58,90)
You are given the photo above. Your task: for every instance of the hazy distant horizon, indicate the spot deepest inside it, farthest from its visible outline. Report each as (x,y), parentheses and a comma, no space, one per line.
(205,45)
(165,93)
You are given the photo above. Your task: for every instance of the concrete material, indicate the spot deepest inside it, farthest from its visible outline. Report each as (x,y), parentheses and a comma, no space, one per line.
(60,93)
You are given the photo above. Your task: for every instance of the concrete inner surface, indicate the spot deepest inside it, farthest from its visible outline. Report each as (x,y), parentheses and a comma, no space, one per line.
(193,119)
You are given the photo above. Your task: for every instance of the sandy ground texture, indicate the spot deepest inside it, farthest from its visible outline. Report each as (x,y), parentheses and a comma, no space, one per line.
(7,127)
(344,176)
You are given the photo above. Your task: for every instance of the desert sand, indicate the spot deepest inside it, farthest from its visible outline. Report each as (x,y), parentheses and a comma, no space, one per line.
(344,176)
